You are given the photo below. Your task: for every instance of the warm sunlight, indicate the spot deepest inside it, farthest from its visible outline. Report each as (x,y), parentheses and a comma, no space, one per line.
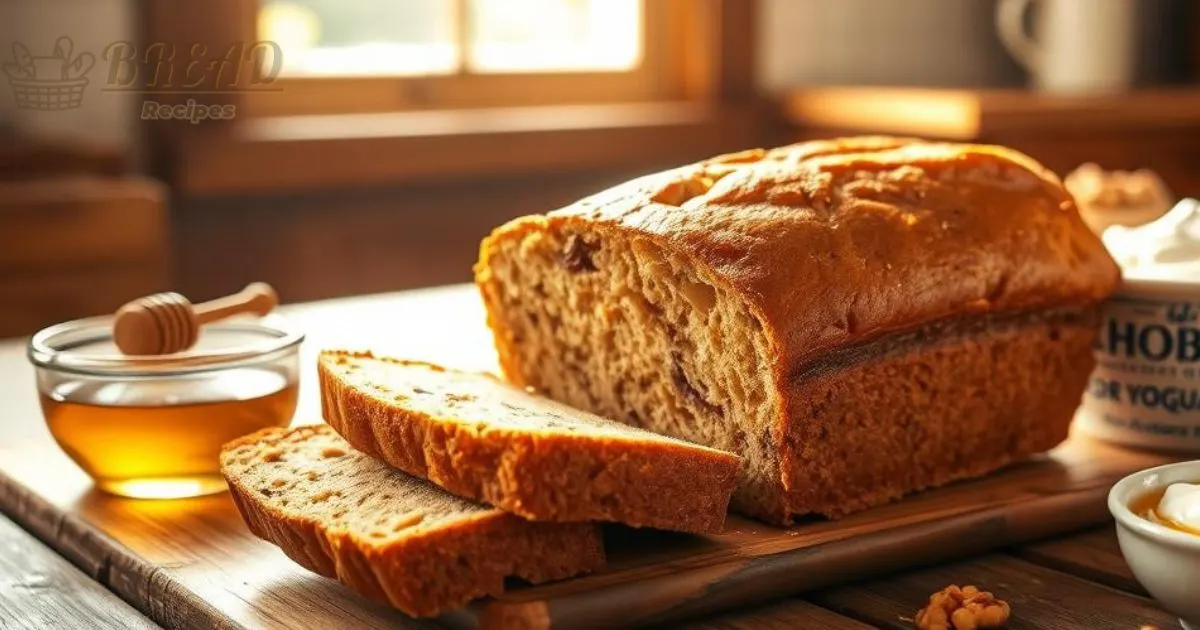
(423,37)
(578,314)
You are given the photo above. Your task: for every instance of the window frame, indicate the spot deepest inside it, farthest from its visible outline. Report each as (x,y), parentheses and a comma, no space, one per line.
(657,77)
(672,33)
(709,104)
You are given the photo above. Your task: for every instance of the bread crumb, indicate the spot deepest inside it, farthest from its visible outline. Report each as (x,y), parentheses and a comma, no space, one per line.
(272,455)
(966,608)
(321,496)
(408,520)
(332,451)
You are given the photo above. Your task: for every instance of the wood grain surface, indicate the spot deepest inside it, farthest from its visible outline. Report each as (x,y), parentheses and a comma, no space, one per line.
(1094,555)
(1039,597)
(785,615)
(193,564)
(966,114)
(39,589)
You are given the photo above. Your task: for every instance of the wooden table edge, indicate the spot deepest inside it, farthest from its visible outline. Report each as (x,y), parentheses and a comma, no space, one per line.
(141,584)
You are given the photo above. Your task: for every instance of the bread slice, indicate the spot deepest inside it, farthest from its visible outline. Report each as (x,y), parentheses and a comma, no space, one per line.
(481,438)
(386,534)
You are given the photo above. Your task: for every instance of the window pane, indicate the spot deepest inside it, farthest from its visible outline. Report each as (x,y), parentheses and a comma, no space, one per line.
(361,37)
(554,35)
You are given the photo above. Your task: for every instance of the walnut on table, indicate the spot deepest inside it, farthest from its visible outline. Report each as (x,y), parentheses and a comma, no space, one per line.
(965,608)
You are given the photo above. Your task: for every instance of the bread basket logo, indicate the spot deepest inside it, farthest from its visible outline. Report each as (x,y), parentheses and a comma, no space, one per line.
(49,82)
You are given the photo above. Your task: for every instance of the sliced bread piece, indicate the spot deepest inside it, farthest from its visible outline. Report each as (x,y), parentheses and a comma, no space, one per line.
(481,438)
(386,534)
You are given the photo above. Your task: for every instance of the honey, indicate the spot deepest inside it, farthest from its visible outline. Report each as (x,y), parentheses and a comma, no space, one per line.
(161,438)
(1145,503)
(1146,506)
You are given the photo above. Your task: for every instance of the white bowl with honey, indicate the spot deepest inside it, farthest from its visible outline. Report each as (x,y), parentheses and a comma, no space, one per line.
(1160,534)
(152,426)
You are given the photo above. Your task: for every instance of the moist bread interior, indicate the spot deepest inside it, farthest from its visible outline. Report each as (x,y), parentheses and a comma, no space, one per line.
(670,352)
(316,475)
(477,400)
(484,439)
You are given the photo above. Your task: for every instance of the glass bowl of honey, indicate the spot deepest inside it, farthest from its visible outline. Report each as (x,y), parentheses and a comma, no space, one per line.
(153,426)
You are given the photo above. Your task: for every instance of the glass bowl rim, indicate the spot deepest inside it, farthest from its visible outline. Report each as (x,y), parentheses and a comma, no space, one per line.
(44,353)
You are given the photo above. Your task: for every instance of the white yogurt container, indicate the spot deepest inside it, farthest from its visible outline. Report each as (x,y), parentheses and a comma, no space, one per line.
(1145,390)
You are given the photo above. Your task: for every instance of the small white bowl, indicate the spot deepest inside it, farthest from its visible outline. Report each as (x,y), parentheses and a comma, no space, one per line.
(1165,561)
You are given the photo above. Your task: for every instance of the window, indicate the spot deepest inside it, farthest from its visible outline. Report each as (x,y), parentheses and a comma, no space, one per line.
(428,37)
(643,82)
(424,54)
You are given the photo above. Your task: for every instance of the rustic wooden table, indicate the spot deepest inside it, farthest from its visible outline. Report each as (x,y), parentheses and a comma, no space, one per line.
(1073,581)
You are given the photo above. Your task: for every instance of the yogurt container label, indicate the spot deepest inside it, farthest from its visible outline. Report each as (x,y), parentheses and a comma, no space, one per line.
(1145,390)
(1146,386)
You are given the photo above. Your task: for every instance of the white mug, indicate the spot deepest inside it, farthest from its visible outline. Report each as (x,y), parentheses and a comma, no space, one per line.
(947,43)
(1078,46)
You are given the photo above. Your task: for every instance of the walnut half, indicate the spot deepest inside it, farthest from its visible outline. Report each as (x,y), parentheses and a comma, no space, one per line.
(965,608)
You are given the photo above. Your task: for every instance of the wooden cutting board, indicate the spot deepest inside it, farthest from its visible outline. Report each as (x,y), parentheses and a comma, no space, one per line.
(192,563)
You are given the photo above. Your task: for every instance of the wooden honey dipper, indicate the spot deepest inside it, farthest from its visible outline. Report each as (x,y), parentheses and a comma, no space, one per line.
(164,323)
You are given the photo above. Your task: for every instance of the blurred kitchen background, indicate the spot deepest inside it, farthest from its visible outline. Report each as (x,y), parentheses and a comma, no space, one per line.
(375,141)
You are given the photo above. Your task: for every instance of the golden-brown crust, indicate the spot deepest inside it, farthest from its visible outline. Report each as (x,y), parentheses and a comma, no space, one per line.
(967,399)
(834,244)
(542,476)
(426,574)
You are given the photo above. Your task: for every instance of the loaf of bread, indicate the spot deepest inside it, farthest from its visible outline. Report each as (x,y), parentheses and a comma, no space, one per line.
(858,318)
(386,534)
(484,439)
